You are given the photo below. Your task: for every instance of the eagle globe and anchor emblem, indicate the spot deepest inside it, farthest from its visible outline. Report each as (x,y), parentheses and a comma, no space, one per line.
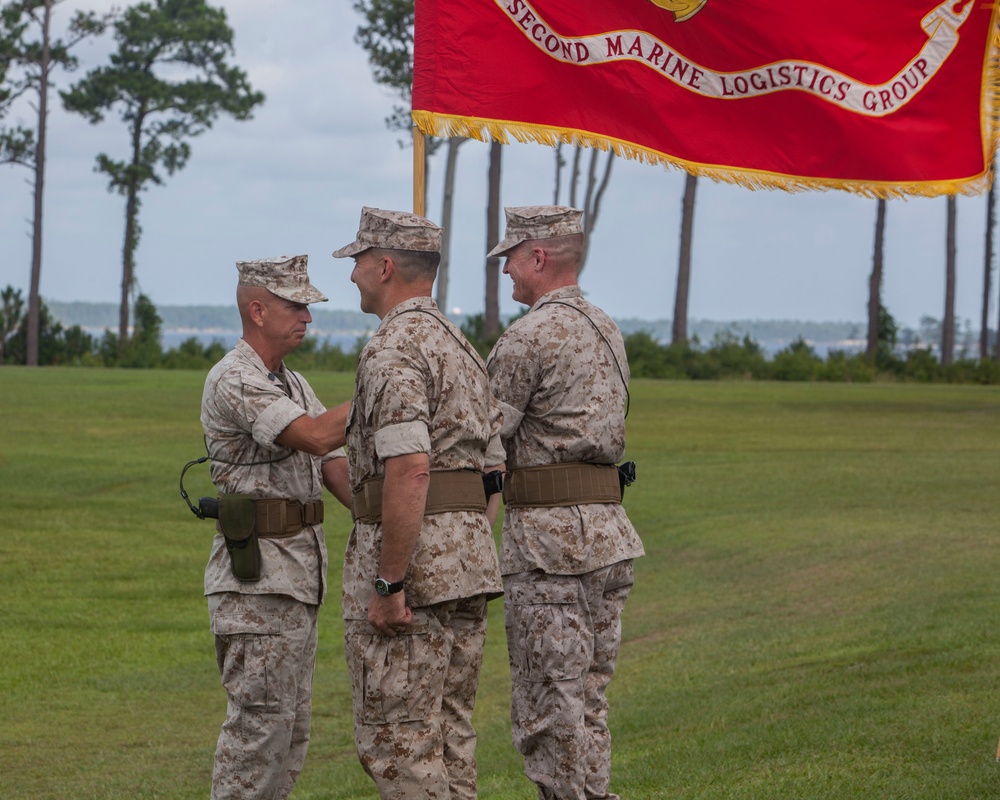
(681,9)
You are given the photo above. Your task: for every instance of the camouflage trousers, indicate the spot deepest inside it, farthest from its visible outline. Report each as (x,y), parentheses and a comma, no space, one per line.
(413,700)
(563,633)
(265,646)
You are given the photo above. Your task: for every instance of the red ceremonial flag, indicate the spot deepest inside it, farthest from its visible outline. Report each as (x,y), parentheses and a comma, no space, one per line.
(886,98)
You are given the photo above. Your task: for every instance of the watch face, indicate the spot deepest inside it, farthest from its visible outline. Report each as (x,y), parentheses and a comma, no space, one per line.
(384,588)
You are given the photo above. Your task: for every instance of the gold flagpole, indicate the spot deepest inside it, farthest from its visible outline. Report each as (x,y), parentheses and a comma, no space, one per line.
(418,171)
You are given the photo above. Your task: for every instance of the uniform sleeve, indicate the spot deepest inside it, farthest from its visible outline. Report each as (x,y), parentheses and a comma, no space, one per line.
(268,409)
(495,453)
(513,369)
(396,404)
(340,452)
(241,401)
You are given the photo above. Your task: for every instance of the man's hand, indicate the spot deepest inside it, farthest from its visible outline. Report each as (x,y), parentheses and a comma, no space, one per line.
(389,615)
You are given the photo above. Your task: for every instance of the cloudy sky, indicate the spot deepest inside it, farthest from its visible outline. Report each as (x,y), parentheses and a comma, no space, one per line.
(293,180)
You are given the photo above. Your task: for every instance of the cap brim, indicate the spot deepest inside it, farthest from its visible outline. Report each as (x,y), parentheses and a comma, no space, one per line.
(308,295)
(351,249)
(505,246)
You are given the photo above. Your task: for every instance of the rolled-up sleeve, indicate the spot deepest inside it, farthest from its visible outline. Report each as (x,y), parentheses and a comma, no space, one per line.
(511,419)
(274,419)
(495,453)
(397,405)
(402,439)
(340,452)
(268,409)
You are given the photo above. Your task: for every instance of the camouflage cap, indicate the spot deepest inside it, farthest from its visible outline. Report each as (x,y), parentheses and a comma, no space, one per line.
(393,230)
(527,223)
(284,276)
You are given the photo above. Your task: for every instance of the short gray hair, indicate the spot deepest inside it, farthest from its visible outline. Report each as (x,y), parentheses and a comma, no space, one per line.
(413,264)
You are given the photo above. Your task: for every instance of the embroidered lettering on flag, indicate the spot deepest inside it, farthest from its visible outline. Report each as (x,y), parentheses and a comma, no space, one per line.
(802,96)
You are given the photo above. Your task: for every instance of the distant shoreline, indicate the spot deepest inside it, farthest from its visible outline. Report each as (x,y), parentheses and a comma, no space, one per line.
(341,327)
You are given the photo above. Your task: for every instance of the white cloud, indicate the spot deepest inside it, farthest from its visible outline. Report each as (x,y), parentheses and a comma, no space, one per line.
(294,178)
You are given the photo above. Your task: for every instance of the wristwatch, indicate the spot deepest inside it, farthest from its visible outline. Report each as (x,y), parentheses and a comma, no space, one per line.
(384,588)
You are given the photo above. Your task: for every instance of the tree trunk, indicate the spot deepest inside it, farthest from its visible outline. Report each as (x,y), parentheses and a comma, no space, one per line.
(875,283)
(34,300)
(984,325)
(131,232)
(491,319)
(127,269)
(592,203)
(559,166)
(574,177)
(996,341)
(948,324)
(446,206)
(684,262)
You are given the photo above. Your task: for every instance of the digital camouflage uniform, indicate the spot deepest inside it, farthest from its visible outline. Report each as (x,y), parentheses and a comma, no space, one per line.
(265,631)
(420,388)
(567,570)
(420,391)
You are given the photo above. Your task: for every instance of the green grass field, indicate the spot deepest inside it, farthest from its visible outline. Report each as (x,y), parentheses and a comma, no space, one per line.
(816,617)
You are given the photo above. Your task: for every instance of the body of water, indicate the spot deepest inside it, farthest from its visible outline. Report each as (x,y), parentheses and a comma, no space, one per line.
(171,340)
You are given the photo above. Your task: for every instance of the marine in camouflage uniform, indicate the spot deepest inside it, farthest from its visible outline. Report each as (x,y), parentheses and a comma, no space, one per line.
(261,420)
(422,411)
(561,374)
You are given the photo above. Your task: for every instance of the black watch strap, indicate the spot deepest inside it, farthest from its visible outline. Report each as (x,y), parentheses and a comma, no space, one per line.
(384,588)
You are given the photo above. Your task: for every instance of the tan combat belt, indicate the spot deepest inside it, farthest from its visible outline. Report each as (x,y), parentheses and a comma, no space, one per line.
(449,490)
(554,485)
(278,517)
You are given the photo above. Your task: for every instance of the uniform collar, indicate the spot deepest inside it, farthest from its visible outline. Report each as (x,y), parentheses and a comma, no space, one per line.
(408,305)
(562,293)
(245,350)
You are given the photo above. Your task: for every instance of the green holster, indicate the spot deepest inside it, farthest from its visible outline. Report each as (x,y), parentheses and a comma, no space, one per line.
(237,517)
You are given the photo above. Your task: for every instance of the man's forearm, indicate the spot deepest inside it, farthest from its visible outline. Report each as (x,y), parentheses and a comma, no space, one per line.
(336,479)
(404,496)
(317,435)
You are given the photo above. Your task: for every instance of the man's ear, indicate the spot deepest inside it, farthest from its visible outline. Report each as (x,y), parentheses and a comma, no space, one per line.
(538,254)
(257,309)
(387,268)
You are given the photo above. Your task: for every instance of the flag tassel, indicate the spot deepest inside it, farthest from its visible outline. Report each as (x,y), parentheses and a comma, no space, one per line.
(444,126)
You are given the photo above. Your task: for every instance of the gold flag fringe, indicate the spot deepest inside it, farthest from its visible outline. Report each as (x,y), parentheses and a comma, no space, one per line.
(991,100)
(447,125)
